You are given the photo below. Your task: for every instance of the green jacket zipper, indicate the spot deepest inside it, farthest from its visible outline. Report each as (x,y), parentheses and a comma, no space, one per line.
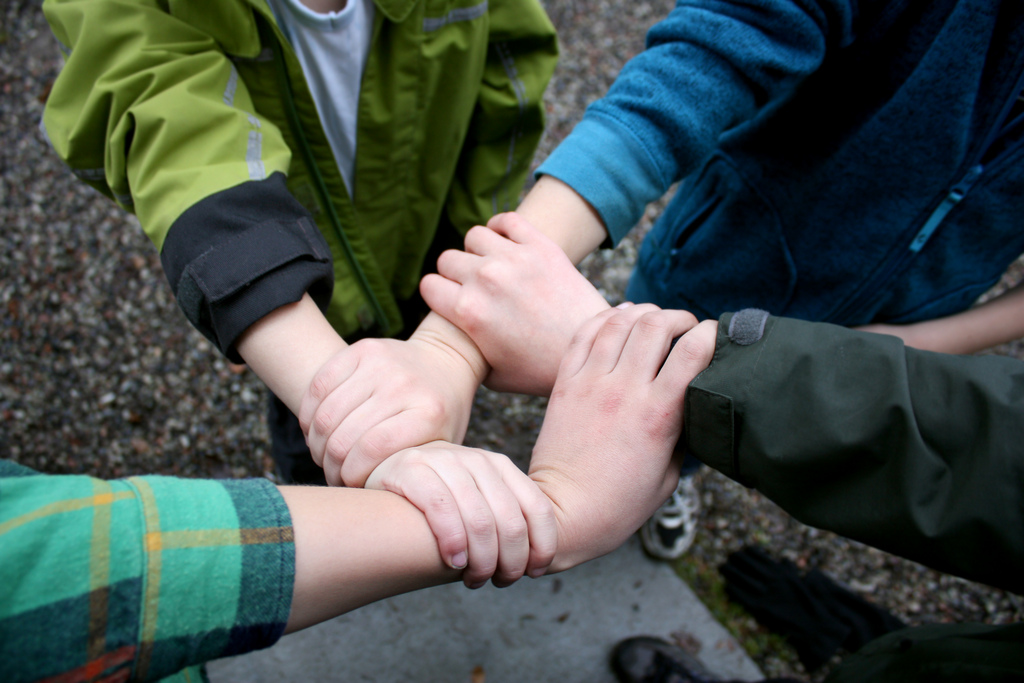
(307,156)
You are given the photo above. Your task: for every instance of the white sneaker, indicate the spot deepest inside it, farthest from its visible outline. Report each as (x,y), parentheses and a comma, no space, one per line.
(670,532)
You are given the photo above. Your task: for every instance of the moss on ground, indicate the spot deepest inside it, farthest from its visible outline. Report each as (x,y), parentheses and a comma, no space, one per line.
(761,644)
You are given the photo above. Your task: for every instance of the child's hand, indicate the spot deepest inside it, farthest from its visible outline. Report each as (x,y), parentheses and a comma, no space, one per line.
(518,296)
(378,396)
(487,515)
(605,452)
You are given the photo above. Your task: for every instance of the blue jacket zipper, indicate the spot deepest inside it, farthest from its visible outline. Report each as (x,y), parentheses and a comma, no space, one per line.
(944,207)
(948,202)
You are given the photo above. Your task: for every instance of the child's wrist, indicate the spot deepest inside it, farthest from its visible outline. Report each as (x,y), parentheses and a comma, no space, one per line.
(437,332)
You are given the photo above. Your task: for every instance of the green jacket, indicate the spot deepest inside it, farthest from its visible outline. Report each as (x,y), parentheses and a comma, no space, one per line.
(191,113)
(919,454)
(913,452)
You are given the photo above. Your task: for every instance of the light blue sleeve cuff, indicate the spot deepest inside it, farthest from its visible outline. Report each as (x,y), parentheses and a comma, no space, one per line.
(606,164)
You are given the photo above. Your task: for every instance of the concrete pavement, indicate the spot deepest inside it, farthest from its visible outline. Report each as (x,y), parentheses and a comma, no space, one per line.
(558,628)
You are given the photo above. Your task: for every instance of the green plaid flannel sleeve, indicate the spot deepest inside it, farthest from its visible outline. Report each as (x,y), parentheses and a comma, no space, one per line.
(137,579)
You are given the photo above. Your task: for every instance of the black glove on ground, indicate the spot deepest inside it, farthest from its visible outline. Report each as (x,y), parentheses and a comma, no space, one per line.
(775,595)
(866,620)
(816,614)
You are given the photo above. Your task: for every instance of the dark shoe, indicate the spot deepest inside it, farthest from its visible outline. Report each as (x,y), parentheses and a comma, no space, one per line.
(644,659)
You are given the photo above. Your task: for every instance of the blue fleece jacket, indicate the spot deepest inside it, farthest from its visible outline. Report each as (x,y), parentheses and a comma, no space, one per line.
(843,161)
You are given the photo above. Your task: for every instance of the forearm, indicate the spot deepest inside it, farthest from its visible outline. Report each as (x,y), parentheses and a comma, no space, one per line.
(588,527)
(563,216)
(356,546)
(997,321)
(441,333)
(913,452)
(287,348)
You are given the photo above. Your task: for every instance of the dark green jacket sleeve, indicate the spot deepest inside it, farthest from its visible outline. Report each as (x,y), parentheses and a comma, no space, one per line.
(917,453)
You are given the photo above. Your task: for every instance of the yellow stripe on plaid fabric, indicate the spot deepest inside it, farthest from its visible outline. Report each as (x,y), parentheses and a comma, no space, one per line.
(151,590)
(63,506)
(269,534)
(99,570)
(206,538)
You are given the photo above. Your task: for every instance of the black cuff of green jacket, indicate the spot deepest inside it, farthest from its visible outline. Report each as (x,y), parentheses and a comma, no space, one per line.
(237,255)
(710,414)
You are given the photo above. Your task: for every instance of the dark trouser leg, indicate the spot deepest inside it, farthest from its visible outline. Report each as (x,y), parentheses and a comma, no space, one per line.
(288,447)
(938,653)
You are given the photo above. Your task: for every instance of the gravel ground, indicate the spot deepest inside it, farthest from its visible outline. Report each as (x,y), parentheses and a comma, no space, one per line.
(101,374)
